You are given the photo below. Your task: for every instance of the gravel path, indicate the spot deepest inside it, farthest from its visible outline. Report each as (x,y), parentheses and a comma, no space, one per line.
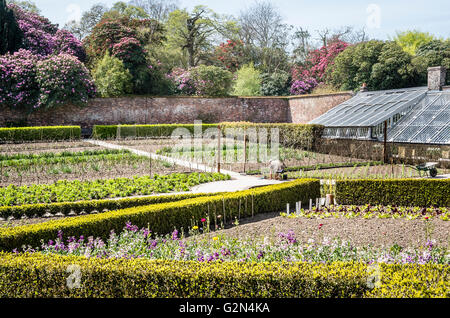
(359,231)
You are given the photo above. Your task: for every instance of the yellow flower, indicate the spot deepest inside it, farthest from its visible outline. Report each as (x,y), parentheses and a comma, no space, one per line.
(195,227)
(215,238)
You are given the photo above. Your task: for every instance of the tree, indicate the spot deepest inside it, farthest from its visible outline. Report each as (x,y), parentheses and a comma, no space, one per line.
(195,32)
(211,80)
(89,19)
(248,81)
(434,53)
(275,84)
(158,10)
(381,65)
(10,34)
(410,41)
(265,35)
(302,45)
(318,61)
(229,55)
(26,5)
(111,77)
(120,9)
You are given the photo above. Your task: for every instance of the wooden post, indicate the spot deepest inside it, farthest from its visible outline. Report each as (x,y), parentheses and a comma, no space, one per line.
(385,154)
(245,150)
(218,149)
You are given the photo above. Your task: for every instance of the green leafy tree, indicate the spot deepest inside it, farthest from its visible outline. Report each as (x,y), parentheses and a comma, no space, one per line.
(248,81)
(211,80)
(194,33)
(111,77)
(434,53)
(410,41)
(276,84)
(381,65)
(394,68)
(10,34)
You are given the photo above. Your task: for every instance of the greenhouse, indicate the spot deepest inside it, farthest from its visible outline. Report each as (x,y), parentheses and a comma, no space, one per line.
(413,115)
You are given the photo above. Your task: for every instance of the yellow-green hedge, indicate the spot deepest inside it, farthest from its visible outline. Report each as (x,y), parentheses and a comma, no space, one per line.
(138,131)
(401,192)
(47,133)
(163,218)
(40,275)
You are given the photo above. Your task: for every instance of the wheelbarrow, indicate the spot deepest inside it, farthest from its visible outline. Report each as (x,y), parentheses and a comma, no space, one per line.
(428,168)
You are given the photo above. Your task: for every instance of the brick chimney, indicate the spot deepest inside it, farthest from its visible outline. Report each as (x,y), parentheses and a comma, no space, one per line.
(364,88)
(436,78)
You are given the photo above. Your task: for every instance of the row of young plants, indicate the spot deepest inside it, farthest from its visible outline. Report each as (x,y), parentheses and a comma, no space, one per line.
(323,166)
(69,191)
(62,154)
(76,158)
(372,211)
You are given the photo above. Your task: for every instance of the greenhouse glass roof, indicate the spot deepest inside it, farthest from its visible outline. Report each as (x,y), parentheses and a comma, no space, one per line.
(414,115)
(369,109)
(428,122)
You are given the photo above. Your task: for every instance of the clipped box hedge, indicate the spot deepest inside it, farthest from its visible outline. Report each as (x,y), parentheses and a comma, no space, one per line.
(290,135)
(141,131)
(48,133)
(39,275)
(163,218)
(400,192)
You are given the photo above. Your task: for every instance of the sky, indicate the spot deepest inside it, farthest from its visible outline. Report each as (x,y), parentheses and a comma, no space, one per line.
(381,19)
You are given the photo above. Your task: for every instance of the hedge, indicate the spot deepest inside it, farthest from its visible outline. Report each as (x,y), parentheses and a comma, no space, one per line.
(140,131)
(48,133)
(40,275)
(399,192)
(163,218)
(89,206)
(290,135)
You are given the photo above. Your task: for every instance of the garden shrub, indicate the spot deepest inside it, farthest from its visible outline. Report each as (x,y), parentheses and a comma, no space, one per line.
(413,281)
(18,86)
(63,79)
(211,80)
(39,275)
(275,84)
(399,192)
(248,81)
(47,133)
(290,135)
(160,130)
(163,218)
(111,77)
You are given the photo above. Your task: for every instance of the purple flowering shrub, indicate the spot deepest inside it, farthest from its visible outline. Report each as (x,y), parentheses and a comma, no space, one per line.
(63,78)
(305,86)
(43,38)
(129,50)
(183,82)
(18,85)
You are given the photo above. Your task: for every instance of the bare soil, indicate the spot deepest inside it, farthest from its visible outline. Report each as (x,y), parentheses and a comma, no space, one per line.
(359,231)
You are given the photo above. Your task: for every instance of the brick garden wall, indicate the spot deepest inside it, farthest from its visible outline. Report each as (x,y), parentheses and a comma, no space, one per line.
(161,110)
(303,109)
